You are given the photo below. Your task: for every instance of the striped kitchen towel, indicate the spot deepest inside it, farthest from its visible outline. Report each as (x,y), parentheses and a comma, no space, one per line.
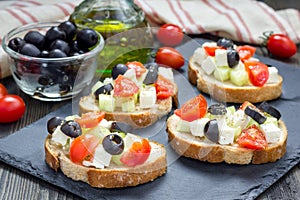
(243,21)
(20,12)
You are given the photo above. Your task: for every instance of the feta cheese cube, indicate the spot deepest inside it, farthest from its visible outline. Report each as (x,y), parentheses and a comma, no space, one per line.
(208,65)
(271,131)
(166,72)
(227,134)
(273,75)
(209,44)
(199,55)
(221,57)
(130,74)
(197,126)
(240,119)
(101,158)
(147,97)
(59,137)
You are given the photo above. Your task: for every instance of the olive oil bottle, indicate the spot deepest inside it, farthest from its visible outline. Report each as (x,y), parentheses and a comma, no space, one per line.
(124,27)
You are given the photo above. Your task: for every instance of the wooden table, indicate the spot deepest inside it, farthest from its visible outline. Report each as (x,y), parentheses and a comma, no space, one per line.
(15,184)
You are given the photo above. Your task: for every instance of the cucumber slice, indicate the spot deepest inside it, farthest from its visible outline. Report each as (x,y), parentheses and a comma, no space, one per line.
(239,77)
(183,126)
(106,102)
(128,106)
(222,73)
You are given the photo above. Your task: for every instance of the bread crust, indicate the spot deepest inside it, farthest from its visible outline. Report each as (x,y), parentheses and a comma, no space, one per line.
(113,177)
(138,119)
(202,149)
(227,92)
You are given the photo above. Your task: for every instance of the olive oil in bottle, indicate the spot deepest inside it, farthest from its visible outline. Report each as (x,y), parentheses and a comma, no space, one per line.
(124,27)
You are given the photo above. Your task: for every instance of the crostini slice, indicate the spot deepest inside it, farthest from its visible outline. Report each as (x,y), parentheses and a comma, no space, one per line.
(102,155)
(226,134)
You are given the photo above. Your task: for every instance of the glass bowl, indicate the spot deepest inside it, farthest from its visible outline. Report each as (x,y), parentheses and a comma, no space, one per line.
(50,79)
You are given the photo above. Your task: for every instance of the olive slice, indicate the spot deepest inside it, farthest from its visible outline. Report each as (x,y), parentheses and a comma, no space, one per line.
(113,144)
(211,130)
(120,127)
(217,109)
(255,114)
(226,43)
(53,123)
(233,57)
(71,129)
(152,73)
(264,106)
(105,89)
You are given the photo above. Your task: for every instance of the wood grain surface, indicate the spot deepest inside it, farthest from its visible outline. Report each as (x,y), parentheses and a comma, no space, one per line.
(17,185)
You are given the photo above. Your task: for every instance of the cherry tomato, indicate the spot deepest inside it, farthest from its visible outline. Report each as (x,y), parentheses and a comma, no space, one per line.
(3,90)
(125,87)
(211,51)
(164,87)
(12,108)
(258,72)
(245,104)
(281,46)
(245,52)
(193,109)
(169,35)
(137,154)
(252,138)
(83,147)
(170,57)
(90,119)
(138,67)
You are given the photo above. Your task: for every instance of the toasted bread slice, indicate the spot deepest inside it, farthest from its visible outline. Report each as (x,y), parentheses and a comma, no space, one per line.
(228,92)
(186,144)
(140,118)
(112,177)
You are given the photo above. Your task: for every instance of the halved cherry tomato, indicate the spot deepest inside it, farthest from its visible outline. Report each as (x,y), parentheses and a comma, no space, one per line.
(193,109)
(281,46)
(164,87)
(258,72)
(252,138)
(124,87)
(137,154)
(12,108)
(138,67)
(83,147)
(169,57)
(245,104)
(245,52)
(169,35)
(211,50)
(90,119)
(3,90)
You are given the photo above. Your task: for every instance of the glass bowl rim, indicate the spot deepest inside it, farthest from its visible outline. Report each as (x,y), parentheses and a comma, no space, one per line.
(97,48)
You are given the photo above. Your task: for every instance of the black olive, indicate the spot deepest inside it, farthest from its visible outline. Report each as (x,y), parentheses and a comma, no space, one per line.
(53,123)
(233,57)
(113,144)
(54,33)
(226,43)
(87,38)
(16,43)
(264,106)
(35,38)
(211,130)
(217,109)
(152,74)
(118,69)
(60,44)
(255,114)
(69,28)
(105,89)
(30,50)
(57,53)
(71,128)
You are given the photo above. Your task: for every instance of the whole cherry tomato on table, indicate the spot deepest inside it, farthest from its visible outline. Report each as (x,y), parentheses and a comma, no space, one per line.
(169,35)
(280,45)
(12,108)
(3,90)
(170,57)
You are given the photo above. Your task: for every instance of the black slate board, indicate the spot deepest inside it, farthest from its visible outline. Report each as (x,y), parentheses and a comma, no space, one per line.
(185,178)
